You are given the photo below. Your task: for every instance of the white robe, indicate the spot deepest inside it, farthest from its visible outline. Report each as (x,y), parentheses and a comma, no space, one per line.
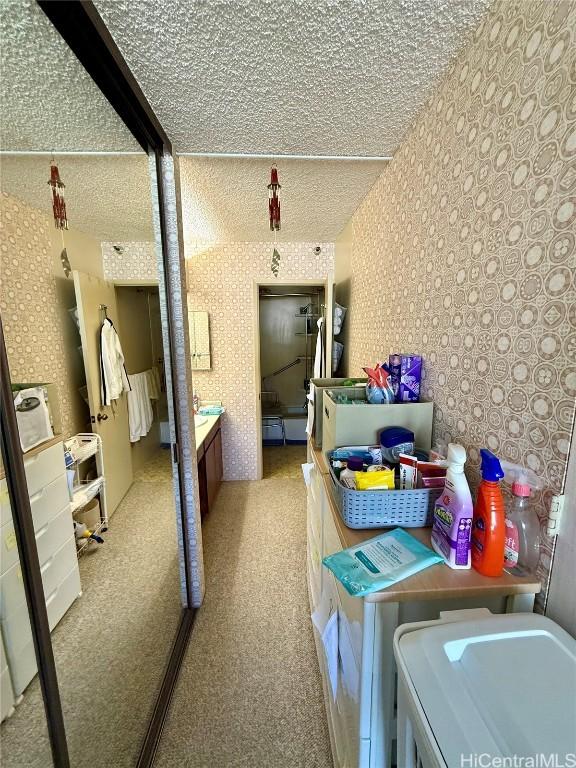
(113,376)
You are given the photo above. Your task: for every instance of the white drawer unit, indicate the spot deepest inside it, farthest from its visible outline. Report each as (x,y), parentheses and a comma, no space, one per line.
(54,571)
(49,539)
(43,467)
(7,698)
(18,635)
(56,546)
(46,503)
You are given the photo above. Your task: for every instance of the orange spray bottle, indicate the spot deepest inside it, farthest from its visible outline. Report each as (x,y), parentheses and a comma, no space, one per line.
(489,519)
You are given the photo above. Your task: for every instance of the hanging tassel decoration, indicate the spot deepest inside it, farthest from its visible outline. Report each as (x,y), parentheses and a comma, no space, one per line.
(274,200)
(58,204)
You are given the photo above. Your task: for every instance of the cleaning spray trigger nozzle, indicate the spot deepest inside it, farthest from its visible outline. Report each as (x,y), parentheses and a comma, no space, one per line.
(522,479)
(491,468)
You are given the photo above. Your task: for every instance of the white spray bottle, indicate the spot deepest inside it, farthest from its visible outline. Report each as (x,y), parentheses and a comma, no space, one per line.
(453,513)
(522,546)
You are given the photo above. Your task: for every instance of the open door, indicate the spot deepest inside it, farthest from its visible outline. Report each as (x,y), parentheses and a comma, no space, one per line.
(110,422)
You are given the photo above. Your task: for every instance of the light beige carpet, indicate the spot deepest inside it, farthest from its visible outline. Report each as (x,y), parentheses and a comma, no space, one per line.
(112,646)
(283,461)
(250,693)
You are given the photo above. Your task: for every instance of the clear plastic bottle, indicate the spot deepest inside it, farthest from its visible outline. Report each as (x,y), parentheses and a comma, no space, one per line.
(522,546)
(348,475)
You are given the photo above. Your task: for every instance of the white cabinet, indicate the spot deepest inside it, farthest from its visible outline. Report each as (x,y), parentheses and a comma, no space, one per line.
(56,545)
(7,699)
(361,717)
(199,328)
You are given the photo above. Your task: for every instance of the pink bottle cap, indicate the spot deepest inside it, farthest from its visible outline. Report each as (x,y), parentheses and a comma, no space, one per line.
(519,489)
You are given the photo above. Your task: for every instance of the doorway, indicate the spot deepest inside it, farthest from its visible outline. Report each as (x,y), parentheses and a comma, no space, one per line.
(291,348)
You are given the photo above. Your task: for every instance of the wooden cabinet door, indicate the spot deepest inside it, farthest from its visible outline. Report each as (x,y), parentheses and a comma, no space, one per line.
(218,456)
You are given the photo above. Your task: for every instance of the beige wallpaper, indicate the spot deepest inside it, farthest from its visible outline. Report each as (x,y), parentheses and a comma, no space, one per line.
(221,281)
(135,262)
(464,249)
(41,339)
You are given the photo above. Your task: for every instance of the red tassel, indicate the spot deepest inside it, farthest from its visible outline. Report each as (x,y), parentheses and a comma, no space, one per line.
(58,204)
(273,199)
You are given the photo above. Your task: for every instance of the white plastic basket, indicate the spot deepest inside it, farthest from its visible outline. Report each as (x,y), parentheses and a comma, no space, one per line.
(82,446)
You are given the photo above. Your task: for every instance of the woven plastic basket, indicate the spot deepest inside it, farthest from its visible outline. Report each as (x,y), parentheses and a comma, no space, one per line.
(384,509)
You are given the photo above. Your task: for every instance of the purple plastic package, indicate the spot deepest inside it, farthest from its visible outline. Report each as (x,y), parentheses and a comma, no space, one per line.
(410,375)
(394,363)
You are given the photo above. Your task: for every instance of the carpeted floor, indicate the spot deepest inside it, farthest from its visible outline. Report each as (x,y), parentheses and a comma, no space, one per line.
(112,646)
(250,693)
(283,461)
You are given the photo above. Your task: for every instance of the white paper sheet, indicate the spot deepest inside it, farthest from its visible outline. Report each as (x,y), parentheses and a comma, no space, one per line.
(307,472)
(311,411)
(350,674)
(330,641)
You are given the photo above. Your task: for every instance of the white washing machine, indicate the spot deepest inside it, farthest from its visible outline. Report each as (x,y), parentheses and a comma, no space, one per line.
(476,689)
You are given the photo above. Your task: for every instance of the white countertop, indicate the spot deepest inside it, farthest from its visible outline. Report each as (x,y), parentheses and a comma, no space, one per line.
(203,431)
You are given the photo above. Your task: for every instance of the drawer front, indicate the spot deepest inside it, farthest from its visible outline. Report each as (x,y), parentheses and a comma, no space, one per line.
(45,503)
(5,509)
(54,571)
(49,539)
(330,539)
(49,502)
(44,467)
(23,667)
(6,695)
(16,627)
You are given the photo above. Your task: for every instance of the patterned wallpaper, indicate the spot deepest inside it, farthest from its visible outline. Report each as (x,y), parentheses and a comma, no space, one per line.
(468,241)
(30,306)
(136,262)
(221,281)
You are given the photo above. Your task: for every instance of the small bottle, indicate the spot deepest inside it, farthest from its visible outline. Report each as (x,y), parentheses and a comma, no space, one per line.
(489,523)
(347,478)
(522,544)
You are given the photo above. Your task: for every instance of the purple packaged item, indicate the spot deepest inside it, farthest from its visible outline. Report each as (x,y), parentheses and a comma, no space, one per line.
(395,364)
(405,375)
(410,375)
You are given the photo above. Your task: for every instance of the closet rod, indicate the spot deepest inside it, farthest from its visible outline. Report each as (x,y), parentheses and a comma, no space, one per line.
(282,295)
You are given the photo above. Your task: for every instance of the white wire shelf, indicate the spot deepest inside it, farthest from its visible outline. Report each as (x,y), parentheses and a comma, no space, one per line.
(86,542)
(84,493)
(83,445)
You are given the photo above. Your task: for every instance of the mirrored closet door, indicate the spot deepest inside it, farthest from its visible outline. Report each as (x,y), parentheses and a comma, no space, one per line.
(81,318)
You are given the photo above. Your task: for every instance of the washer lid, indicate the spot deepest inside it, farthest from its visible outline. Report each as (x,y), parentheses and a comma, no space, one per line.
(501,685)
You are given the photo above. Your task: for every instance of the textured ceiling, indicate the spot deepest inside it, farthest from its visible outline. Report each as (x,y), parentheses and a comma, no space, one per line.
(330,77)
(48,101)
(226,200)
(106,197)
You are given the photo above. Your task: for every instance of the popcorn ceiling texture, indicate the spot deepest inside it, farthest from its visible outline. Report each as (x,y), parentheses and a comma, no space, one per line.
(137,262)
(106,197)
(221,281)
(49,101)
(225,199)
(324,77)
(468,240)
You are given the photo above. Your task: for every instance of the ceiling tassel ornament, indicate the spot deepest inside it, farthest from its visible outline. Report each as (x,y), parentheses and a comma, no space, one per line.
(274,214)
(58,204)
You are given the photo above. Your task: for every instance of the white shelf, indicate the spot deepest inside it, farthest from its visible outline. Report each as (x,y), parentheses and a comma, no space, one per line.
(84,493)
(83,446)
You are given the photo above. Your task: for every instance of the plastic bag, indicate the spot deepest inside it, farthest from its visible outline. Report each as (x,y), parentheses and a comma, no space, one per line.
(380,562)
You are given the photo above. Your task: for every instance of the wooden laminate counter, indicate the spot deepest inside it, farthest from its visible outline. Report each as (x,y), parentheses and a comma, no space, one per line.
(438,581)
